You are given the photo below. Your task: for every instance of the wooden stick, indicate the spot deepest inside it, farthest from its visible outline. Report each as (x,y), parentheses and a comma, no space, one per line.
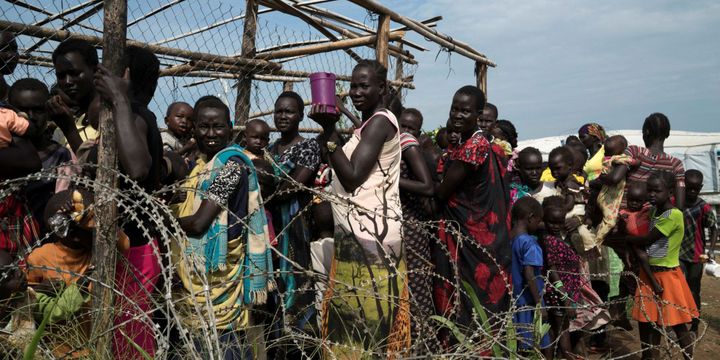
(224,22)
(317,21)
(282,6)
(441,39)
(399,74)
(394,50)
(218,75)
(61,35)
(353,23)
(68,24)
(105,244)
(244,84)
(382,40)
(322,48)
(67,12)
(195,66)
(27,59)
(25,5)
(293,44)
(481,77)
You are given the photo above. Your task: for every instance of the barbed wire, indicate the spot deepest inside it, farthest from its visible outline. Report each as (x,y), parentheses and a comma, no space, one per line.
(174,306)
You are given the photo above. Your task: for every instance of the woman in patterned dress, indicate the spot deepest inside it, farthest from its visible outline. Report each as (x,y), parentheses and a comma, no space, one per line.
(296,160)
(475,225)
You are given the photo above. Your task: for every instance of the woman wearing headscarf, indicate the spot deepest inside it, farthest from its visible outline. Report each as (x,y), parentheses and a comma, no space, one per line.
(593,137)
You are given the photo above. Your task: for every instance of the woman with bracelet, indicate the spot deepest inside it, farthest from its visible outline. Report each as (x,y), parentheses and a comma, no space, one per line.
(367,291)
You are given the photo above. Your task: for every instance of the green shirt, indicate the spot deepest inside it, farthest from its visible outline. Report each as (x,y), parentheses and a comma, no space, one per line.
(665,251)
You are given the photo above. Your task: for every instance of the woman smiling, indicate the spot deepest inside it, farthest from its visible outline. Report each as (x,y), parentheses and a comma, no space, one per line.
(225,260)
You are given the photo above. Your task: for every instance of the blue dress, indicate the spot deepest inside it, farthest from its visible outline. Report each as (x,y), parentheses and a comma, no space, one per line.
(526,252)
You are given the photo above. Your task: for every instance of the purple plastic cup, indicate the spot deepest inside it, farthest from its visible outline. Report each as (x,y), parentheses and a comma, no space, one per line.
(322,88)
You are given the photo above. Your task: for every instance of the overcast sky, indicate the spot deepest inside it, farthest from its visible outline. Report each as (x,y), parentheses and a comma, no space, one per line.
(560,63)
(564,63)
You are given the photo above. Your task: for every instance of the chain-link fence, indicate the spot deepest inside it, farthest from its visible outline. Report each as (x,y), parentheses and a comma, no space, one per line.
(192,28)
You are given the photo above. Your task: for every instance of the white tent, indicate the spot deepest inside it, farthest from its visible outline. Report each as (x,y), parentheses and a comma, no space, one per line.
(697,150)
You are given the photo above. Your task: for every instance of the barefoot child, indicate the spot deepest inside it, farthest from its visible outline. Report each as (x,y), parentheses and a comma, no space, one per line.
(527,266)
(699,216)
(562,264)
(636,222)
(675,306)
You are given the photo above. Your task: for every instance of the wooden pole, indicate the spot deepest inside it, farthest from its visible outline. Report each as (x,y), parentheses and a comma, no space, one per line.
(399,75)
(114,36)
(318,22)
(327,47)
(190,69)
(244,85)
(422,29)
(481,77)
(280,5)
(352,23)
(61,35)
(383,40)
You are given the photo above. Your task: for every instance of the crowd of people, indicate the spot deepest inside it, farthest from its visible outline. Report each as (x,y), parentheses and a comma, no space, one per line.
(356,238)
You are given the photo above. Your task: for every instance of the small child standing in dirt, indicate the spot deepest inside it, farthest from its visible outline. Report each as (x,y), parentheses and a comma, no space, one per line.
(527,267)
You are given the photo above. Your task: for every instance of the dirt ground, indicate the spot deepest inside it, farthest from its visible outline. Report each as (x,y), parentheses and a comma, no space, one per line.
(623,342)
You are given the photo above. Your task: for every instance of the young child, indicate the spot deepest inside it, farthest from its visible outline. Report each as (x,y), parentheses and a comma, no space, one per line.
(14,124)
(610,197)
(699,216)
(560,162)
(505,135)
(65,262)
(527,266)
(178,136)
(636,222)
(675,307)
(257,137)
(562,263)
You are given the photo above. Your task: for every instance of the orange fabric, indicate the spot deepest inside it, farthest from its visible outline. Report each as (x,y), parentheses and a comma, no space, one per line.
(56,261)
(638,222)
(11,124)
(45,261)
(675,306)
